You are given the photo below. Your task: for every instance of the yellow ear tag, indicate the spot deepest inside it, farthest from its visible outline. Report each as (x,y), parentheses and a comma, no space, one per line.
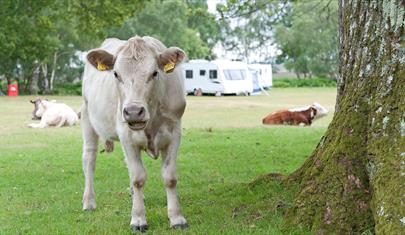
(101,66)
(169,67)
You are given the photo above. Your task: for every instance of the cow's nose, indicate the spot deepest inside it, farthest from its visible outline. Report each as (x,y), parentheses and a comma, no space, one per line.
(134,113)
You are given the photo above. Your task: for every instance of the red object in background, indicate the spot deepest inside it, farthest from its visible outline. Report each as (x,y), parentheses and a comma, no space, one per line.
(12,90)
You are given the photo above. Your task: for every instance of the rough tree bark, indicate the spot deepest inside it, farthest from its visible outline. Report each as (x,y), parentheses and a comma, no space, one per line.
(354,180)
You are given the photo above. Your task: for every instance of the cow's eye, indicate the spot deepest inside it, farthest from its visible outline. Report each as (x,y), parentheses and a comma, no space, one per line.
(155,74)
(117,77)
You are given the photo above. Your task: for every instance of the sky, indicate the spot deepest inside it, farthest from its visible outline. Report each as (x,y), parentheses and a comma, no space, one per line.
(212,5)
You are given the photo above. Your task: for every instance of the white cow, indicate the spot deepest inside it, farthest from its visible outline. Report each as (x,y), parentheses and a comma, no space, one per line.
(133,93)
(52,114)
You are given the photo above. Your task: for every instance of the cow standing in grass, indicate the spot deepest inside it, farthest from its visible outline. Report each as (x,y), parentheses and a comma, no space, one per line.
(133,92)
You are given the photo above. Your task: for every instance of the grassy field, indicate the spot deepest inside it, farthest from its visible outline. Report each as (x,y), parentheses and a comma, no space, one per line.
(224,149)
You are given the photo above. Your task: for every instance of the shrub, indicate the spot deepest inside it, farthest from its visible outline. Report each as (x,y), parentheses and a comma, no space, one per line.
(68,89)
(313,82)
(3,86)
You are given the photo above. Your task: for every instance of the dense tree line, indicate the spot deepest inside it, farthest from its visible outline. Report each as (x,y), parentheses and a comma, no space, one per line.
(41,41)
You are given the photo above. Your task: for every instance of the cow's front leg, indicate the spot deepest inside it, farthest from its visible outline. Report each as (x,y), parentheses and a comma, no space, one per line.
(41,124)
(168,171)
(90,142)
(137,176)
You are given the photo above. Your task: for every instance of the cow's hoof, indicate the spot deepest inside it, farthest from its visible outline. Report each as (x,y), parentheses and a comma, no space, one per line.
(137,228)
(180,226)
(89,205)
(89,208)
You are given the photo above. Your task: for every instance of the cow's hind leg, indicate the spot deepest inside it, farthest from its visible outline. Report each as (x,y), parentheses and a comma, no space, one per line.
(137,175)
(168,171)
(61,122)
(90,142)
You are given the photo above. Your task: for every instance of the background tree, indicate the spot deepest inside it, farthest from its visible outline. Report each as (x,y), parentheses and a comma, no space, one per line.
(194,28)
(24,39)
(205,23)
(308,44)
(353,181)
(35,35)
(247,26)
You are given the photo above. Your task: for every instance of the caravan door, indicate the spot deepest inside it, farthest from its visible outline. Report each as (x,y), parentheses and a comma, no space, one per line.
(255,80)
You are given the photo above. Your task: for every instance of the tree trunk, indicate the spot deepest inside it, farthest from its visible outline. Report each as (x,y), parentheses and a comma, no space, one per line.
(55,58)
(44,68)
(35,78)
(8,78)
(354,180)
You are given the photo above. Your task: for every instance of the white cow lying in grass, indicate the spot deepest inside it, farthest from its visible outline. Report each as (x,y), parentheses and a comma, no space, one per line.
(52,114)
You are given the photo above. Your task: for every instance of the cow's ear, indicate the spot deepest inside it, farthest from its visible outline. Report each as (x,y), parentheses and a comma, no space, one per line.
(32,101)
(101,60)
(171,57)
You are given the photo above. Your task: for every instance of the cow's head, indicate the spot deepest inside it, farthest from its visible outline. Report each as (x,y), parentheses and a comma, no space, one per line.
(137,67)
(313,113)
(40,106)
(38,109)
(320,110)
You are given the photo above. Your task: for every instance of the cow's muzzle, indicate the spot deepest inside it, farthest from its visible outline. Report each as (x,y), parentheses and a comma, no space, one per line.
(135,116)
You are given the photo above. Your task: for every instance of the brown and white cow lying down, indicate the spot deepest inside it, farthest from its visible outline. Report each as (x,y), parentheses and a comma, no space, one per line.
(298,116)
(52,114)
(133,93)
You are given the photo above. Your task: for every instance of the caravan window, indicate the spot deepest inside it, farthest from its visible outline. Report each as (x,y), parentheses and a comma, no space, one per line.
(234,74)
(213,74)
(189,74)
(202,72)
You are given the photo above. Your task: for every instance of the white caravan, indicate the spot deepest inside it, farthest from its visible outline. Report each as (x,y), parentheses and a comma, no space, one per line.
(217,77)
(264,73)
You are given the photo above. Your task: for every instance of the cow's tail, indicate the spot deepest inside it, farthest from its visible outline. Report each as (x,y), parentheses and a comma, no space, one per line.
(79,113)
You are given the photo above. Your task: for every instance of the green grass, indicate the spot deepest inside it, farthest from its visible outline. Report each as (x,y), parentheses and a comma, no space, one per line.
(224,148)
